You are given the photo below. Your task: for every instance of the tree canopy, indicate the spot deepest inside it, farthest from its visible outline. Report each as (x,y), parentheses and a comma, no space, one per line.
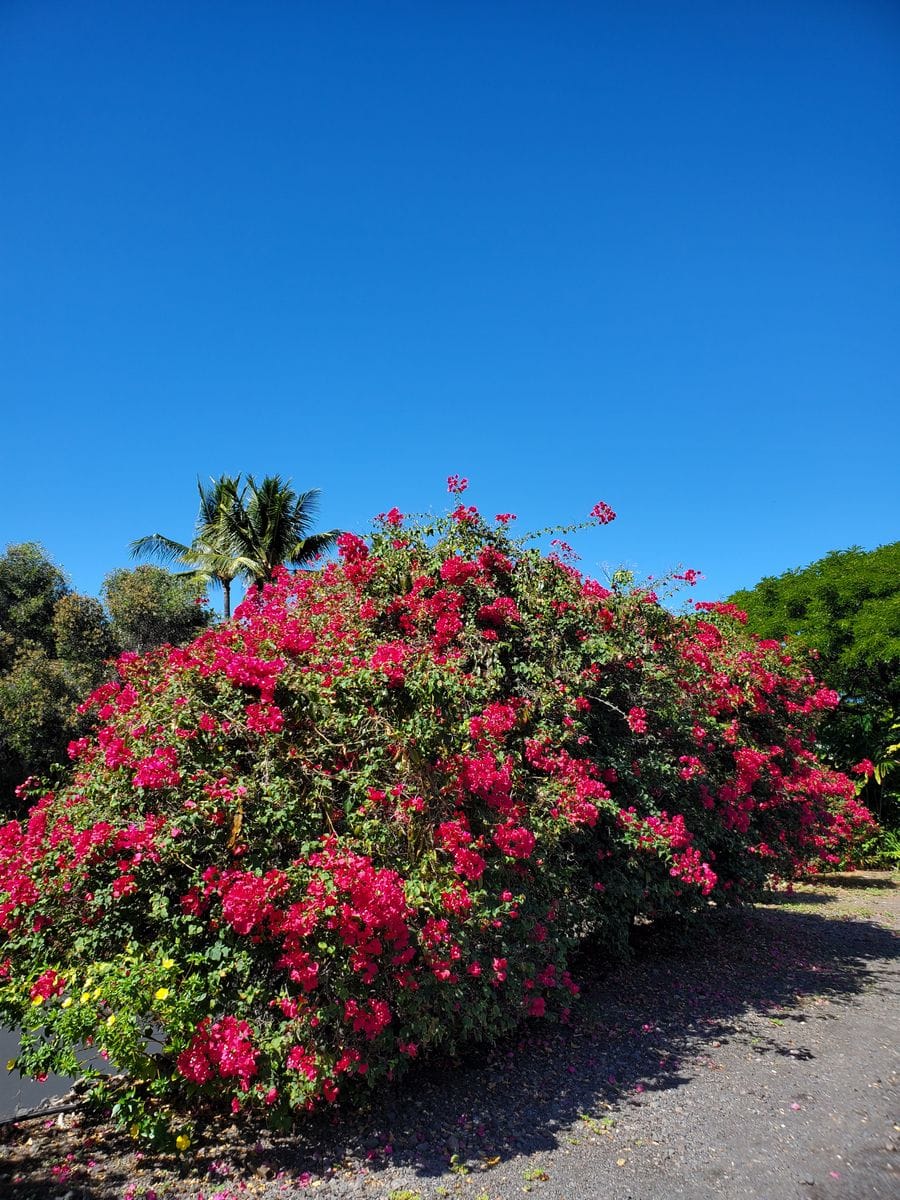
(150,606)
(30,586)
(846,607)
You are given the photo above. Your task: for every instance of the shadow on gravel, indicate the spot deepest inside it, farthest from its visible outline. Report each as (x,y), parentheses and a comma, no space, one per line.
(805,898)
(877,881)
(650,1024)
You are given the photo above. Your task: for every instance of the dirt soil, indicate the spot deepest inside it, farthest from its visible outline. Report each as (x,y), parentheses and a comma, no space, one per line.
(757,1059)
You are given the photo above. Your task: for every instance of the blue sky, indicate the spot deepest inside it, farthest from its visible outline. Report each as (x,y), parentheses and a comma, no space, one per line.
(646,252)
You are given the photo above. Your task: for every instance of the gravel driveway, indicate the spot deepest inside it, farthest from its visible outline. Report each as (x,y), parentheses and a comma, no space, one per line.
(758,1060)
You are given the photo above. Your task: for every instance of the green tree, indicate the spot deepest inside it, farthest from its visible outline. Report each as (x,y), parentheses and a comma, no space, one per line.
(208,558)
(149,606)
(845,608)
(38,718)
(272,527)
(37,700)
(30,586)
(83,639)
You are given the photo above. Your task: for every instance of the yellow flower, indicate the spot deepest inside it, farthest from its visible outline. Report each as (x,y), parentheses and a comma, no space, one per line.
(85,996)
(182,1142)
(134,1130)
(160,993)
(97,992)
(37,1000)
(168,964)
(10,1064)
(110,1021)
(67,1003)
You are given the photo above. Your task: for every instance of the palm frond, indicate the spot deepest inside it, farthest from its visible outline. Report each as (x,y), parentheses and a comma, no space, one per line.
(304,511)
(222,495)
(158,546)
(309,548)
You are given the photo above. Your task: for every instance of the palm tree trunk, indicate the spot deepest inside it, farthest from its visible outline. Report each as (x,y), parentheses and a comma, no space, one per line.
(226,604)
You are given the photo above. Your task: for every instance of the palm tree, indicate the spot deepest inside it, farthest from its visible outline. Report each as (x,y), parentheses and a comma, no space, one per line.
(209,557)
(273,528)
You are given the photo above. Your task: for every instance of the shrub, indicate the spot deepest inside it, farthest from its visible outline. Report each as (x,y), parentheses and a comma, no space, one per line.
(378,812)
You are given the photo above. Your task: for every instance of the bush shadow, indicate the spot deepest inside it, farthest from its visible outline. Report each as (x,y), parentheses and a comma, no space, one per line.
(806,897)
(637,1026)
(640,1026)
(875,880)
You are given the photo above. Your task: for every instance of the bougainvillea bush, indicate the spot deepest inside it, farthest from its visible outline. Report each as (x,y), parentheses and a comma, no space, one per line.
(379,811)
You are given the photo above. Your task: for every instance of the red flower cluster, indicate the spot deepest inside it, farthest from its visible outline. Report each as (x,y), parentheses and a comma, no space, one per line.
(46,985)
(221,1048)
(637,720)
(603,513)
(157,770)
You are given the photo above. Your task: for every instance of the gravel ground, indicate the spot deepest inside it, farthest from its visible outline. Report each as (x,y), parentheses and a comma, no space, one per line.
(757,1061)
